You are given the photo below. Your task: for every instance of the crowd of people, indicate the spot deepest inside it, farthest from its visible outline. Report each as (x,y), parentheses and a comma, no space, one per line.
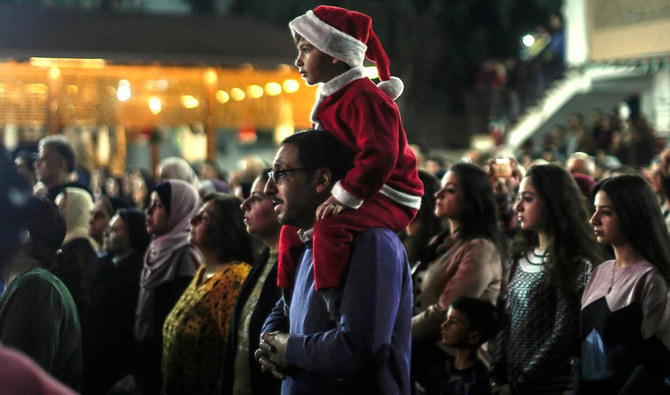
(342,266)
(611,139)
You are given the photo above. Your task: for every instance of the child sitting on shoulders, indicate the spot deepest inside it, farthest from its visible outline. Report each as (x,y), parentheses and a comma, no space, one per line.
(383,188)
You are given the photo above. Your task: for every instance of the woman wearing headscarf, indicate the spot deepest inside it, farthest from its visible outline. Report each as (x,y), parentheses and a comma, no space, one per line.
(110,349)
(169,266)
(78,247)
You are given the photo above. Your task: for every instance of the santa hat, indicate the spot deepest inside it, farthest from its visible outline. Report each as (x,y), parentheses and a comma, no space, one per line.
(348,36)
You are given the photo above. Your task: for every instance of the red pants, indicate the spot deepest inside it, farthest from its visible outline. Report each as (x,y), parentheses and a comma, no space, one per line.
(333,237)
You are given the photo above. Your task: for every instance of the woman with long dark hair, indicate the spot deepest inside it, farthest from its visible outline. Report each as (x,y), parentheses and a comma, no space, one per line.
(463,261)
(425,225)
(551,260)
(625,319)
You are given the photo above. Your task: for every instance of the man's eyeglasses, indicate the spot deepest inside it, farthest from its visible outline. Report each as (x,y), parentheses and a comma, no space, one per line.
(277,175)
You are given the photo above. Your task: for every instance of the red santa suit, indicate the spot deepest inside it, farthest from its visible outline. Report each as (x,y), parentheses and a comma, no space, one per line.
(383,188)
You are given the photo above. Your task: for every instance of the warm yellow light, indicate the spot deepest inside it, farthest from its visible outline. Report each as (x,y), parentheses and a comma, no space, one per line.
(156,85)
(35,89)
(222,97)
(237,94)
(54,73)
(291,86)
(123,92)
(282,131)
(68,62)
(211,77)
(155,105)
(284,68)
(371,72)
(272,88)
(72,89)
(254,91)
(189,101)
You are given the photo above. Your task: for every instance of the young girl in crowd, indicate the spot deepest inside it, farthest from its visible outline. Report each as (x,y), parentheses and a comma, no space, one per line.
(551,263)
(465,261)
(195,331)
(169,265)
(625,322)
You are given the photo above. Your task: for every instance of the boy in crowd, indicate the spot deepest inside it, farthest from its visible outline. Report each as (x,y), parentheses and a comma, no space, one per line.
(383,189)
(470,323)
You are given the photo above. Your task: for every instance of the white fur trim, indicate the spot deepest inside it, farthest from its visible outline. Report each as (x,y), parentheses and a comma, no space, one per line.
(393,87)
(345,197)
(411,201)
(328,39)
(341,81)
(333,86)
(351,201)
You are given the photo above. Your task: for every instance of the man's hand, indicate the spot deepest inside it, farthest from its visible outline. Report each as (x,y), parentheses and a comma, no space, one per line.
(271,353)
(330,207)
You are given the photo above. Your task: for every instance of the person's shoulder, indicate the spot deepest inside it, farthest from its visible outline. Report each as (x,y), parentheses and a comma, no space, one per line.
(605,266)
(380,239)
(381,234)
(40,281)
(480,243)
(39,278)
(364,89)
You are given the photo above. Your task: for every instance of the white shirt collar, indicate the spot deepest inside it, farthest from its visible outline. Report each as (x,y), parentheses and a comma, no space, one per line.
(306,235)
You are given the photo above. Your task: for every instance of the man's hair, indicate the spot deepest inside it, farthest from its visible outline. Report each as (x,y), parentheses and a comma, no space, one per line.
(319,149)
(47,228)
(481,315)
(63,148)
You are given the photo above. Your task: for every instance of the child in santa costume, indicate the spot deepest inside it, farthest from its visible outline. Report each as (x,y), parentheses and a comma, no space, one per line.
(383,188)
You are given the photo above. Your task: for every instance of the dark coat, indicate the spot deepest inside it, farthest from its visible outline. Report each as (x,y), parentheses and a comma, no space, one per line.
(110,349)
(261,383)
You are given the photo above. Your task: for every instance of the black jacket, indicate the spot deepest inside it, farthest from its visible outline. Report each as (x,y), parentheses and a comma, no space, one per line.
(261,383)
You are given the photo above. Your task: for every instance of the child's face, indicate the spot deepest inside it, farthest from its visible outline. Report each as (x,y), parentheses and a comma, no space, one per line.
(314,66)
(456,329)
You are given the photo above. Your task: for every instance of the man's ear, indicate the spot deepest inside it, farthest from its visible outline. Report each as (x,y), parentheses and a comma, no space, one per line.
(323,179)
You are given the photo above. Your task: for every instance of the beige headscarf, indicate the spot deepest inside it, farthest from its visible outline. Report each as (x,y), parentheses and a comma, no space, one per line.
(77,210)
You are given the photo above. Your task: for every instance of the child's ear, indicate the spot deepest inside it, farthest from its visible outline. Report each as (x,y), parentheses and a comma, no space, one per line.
(336,61)
(474,337)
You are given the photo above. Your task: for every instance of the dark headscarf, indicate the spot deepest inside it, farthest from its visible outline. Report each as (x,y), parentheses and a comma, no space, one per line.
(164,191)
(136,228)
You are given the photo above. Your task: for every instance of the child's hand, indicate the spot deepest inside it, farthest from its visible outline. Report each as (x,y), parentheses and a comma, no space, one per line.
(330,207)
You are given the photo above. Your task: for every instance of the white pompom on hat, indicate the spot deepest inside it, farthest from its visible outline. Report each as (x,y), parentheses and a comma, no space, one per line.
(348,36)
